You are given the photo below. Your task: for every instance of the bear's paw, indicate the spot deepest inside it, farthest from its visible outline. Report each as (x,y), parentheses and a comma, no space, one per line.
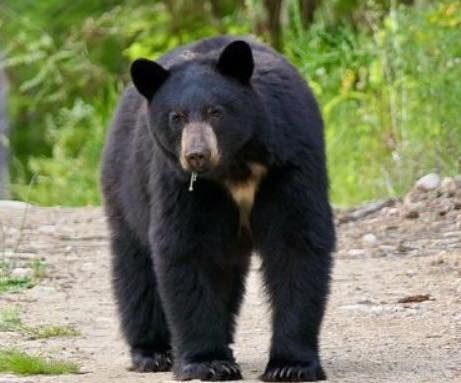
(151,362)
(216,370)
(293,373)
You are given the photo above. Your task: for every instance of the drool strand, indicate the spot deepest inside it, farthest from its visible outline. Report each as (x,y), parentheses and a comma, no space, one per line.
(193,178)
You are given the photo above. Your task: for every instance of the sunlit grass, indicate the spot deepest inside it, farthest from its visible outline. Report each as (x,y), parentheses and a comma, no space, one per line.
(14,284)
(11,283)
(38,269)
(45,332)
(10,320)
(21,363)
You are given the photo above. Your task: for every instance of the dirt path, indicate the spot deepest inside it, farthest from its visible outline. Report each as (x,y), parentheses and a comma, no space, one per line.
(368,335)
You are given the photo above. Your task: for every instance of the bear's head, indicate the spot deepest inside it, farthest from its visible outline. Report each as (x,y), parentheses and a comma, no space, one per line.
(202,112)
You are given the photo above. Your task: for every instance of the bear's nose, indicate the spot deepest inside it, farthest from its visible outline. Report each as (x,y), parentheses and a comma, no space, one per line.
(198,159)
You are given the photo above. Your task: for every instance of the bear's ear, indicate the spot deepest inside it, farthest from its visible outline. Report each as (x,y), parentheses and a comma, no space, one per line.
(147,76)
(236,60)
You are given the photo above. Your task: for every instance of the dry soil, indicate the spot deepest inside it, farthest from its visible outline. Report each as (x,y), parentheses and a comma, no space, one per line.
(394,314)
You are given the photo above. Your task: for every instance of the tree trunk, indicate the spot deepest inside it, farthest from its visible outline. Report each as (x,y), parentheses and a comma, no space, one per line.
(273,11)
(307,9)
(4,179)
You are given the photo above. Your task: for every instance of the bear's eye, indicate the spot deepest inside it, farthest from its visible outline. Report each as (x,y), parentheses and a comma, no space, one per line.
(214,112)
(176,117)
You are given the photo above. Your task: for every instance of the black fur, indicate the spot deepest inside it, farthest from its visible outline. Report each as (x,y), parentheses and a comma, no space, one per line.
(180,258)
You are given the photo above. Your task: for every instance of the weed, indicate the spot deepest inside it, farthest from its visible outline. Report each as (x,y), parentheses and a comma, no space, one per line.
(21,363)
(38,269)
(14,284)
(10,320)
(45,332)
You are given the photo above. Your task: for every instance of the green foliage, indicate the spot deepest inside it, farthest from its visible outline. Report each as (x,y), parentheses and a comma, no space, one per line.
(386,76)
(390,97)
(47,331)
(38,269)
(11,283)
(20,363)
(70,72)
(14,284)
(10,320)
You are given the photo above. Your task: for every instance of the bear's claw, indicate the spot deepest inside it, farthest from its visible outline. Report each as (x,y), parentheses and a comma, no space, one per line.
(216,370)
(293,373)
(152,362)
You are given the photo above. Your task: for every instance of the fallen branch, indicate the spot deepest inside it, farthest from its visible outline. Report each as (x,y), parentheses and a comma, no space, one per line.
(365,210)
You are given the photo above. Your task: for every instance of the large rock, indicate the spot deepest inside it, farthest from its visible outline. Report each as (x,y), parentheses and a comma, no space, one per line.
(448,186)
(429,182)
(21,272)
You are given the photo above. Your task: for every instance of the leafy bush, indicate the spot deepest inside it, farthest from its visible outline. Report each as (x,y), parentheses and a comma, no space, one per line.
(389,96)
(69,77)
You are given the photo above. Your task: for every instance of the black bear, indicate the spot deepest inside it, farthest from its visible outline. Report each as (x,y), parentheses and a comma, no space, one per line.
(217,151)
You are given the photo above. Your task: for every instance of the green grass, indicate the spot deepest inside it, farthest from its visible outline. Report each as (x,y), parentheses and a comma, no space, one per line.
(389,97)
(47,331)
(38,269)
(9,283)
(14,284)
(21,363)
(10,320)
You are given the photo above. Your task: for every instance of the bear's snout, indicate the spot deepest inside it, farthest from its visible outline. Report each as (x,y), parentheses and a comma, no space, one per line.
(198,158)
(199,147)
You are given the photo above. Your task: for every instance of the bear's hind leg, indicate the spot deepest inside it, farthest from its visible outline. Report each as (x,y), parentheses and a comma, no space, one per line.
(142,318)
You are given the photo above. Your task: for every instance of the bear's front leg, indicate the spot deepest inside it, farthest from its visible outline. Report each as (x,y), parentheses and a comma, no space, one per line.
(194,291)
(193,265)
(294,233)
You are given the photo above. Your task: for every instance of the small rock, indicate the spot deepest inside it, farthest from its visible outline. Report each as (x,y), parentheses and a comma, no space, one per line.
(13,204)
(430,181)
(356,252)
(21,272)
(457,180)
(88,266)
(42,291)
(403,247)
(392,212)
(47,229)
(411,214)
(369,239)
(387,248)
(411,197)
(448,186)
(365,302)
(419,206)
(418,298)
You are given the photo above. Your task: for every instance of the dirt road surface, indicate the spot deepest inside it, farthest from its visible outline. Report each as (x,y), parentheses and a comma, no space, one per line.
(401,250)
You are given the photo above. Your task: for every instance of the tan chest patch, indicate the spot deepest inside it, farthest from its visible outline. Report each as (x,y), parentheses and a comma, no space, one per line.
(243,192)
